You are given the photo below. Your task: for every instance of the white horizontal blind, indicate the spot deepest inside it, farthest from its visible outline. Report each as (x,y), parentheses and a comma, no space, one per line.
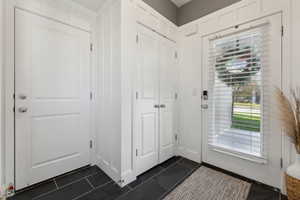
(239,92)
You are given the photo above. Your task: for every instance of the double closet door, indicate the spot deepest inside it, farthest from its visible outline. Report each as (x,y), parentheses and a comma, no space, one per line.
(155,116)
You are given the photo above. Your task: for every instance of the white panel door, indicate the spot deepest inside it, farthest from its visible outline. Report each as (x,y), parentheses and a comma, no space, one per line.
(250,145)
(51,98)
(168,77)
(147,117)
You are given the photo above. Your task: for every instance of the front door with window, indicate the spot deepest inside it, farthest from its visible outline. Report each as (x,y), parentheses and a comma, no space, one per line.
(241,68)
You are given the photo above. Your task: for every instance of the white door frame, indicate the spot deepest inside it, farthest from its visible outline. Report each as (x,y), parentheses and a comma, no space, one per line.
(9,87)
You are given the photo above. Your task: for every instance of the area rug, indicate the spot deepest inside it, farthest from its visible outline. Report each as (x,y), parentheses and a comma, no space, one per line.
(208,184)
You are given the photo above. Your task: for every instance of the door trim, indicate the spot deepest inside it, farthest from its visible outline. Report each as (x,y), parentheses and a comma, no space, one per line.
(9,87)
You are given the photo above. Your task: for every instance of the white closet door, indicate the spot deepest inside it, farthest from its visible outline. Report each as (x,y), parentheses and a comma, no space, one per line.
(168,75)
(147,119)
(52,98)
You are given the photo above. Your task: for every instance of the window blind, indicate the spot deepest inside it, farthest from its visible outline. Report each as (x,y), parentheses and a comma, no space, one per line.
(240,92)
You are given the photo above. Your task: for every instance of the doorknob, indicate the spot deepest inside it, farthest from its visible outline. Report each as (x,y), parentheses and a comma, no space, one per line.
(22,110)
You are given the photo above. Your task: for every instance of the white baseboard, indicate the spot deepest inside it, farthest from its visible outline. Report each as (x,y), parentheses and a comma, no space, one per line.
(127,177)
(189,154)
(112,172)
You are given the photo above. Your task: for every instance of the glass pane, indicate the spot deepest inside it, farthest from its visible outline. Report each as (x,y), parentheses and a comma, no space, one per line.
(238,95)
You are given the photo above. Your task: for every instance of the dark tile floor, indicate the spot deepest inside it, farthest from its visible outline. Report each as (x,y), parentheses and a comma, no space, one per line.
(90,183)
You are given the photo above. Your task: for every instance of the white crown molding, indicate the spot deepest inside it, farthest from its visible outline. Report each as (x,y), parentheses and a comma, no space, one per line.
(93,5)
(180,3)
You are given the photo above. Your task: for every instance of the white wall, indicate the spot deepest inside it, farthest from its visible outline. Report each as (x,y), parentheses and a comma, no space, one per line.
(190,98)
(1,91)
(128,63)
(295,53)
(108,89)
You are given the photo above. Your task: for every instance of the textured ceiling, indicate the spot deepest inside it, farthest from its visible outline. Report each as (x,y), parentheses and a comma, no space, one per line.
(180,3)
(93,5)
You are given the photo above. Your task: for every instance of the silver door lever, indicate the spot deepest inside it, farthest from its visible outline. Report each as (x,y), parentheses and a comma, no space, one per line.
(22,110)
(22,96)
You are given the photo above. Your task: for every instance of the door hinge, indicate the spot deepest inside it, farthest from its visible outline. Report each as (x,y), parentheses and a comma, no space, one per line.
(176,96)
(137,38)
(14,96)
(136,152)
(176,55)
(136,95)
(14,109)
(281,163)
(91,95)
(91,47)
(176,137)
(121,181)
(282,31)
(91,144)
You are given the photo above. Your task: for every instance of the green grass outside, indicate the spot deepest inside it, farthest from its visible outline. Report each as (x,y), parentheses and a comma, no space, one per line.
(251,105)
(246,122)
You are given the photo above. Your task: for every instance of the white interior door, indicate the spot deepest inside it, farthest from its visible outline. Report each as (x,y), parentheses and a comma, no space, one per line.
(147,117)
(51,98)
(241,134)
(168,77)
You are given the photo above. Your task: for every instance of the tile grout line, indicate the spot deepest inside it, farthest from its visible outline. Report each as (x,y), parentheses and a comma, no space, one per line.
(44,194)
(89,183)
(74,171)
(80,179)
(60,188)
(56,184)
(94,188)
(60,176)
(150,178)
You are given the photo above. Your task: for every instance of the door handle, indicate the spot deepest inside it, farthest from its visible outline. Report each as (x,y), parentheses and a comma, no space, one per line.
(23,110)
(162,106)
(205,95)
(22,96)
(156,106)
